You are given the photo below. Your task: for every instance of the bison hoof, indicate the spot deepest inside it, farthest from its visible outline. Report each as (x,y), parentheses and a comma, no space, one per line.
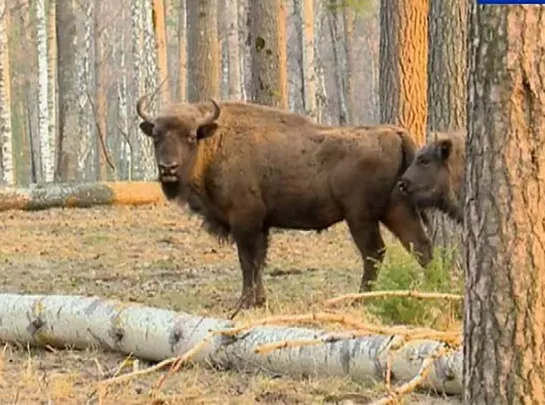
(249,300)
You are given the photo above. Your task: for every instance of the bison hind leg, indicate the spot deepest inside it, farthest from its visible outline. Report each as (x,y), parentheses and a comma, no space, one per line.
(367,237)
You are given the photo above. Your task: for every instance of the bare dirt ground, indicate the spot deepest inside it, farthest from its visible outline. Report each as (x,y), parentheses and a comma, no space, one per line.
(159,256)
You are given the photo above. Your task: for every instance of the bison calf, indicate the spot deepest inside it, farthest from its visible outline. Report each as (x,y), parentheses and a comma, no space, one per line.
(435,177)
(246,168)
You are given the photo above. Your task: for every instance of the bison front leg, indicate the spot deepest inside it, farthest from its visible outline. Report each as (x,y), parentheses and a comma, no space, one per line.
(366,235)
(252,250)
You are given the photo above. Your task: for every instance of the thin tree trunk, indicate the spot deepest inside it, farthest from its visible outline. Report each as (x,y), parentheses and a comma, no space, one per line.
(348,19)
(68,91)
(309,70)
(233,50)
(447,90)
(6,141)
(339,64)
(203,50)
(182,51)
(403,65)
(43,87)
(52,83)
(504,323)
(161,46)
(101,93)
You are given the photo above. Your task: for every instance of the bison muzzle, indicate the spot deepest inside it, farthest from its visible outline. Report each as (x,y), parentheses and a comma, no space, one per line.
(246,168)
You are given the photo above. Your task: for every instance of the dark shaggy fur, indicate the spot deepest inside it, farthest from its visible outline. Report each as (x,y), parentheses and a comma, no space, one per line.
(247,168)
(435,177)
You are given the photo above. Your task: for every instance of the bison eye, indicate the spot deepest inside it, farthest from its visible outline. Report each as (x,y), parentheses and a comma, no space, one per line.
(424,161)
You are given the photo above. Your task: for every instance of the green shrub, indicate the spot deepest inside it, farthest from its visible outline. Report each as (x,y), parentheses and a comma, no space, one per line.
(400,271)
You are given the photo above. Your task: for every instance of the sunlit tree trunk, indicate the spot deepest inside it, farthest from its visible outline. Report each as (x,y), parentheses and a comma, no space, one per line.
(504,326)
(8,173)
(203,50)
(447,92)
(309,71)
(101,101)
(161,46)
(182,51)
(52,82)
(403,64)
(348,19)
(43,111)
(267,35)
(68,91)
(233,50)
(126,154)
(322,115)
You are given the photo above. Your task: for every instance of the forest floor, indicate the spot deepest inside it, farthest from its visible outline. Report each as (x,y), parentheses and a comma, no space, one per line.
(159,256)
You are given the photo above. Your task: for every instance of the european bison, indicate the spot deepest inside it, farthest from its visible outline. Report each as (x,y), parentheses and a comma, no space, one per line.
(435,177)
(246,168)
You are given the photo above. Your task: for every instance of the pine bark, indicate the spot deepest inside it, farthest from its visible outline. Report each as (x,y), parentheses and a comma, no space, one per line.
(161,45)
(403,65)
(68,91)
(504,341)
(447,94)
(182,51)
(268,61)
(203,50)
(309,70)
(233,50)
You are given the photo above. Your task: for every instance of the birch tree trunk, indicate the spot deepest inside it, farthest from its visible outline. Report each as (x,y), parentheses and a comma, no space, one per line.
(138,85)
(43,88)
(52,83)
(309,72)
(161,46)
(203,50)
(182,51)
(504,323)
(321,93)
(403,65)
(6,141)
(156,334)
(233,50)
(269,80)
(126,151)
(447,95)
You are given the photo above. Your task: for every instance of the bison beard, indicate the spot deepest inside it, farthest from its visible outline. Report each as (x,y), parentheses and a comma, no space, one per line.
(257,167)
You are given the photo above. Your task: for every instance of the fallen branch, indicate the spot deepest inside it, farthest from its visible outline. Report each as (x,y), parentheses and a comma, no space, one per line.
(394,293)
(80,195)
(157,334)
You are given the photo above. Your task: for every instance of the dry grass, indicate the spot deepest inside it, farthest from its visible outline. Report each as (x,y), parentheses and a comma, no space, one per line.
(158,256)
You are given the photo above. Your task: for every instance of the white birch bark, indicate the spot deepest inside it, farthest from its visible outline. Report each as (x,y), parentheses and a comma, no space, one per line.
(150,85)
(43,88)
(156,334)
(51,83)
(6,140)
(122,93)
(321,94)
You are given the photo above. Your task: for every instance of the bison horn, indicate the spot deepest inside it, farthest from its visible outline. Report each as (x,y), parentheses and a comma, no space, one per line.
(140,110)
(210,117)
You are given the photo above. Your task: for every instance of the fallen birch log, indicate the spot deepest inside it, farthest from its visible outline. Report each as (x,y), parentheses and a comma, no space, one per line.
(157,334)
(79,195)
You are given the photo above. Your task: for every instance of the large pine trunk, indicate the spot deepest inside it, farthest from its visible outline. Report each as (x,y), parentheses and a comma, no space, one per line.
(157,334)
(403,64)
(504,323)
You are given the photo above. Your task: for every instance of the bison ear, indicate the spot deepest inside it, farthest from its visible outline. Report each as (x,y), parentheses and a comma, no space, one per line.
(147,128)
(445,149)
(207,131)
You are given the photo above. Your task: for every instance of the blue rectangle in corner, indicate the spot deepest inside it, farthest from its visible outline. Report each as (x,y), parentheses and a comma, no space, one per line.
(510,2)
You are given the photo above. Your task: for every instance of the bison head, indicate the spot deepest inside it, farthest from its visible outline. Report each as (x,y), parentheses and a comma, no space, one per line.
(427,181)
(175,138)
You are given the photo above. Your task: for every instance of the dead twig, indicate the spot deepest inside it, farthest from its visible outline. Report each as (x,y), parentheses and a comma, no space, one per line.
(394,293)
(404,389)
